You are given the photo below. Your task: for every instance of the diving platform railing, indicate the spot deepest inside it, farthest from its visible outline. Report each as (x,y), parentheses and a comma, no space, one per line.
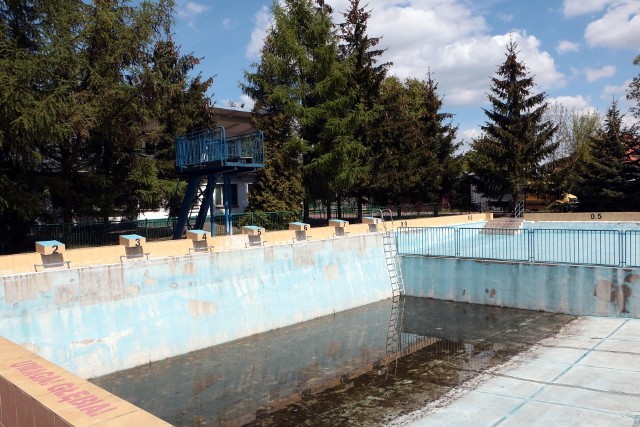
(211,148)
(210,153)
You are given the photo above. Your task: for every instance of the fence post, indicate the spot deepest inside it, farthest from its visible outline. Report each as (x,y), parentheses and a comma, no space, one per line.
(623,247)
(531,245)
(146,228)
(457,240)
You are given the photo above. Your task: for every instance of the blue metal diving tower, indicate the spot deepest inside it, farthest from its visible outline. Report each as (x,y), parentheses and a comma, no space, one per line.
(210,153)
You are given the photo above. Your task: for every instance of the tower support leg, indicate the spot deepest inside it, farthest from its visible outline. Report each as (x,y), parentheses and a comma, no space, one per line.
(227,204)
(185,207)
(206,203)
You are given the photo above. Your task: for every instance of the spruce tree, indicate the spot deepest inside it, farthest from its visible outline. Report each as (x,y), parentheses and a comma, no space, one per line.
(603,182)
(363,91)
(437,128)
(516,138)
(414,145)
(294,88)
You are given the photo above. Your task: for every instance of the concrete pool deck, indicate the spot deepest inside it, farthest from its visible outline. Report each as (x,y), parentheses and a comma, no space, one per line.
(587,375)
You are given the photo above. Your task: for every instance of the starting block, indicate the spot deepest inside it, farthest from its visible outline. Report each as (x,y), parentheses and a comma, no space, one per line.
(300,229)
(339,226)
(254,234)
(199,239)
(132,246)
(373,223)
(51,252)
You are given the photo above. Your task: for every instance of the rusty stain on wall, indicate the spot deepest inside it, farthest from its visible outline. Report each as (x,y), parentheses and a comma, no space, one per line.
(198,308)
(19,291)
(492,293)
(269,254)
(334,348)
(331,272)
(149,280)
(202,383)
(304,254)
(95,289)
(614,293)
(64,294)
(189,268)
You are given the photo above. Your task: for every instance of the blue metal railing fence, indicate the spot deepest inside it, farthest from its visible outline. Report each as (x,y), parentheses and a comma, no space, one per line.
(211,146)
(616,248)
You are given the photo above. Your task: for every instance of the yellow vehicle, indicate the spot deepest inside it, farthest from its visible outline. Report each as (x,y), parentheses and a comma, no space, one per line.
(566,203)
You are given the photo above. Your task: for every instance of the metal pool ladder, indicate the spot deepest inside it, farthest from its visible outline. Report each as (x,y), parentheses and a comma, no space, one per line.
(394,344)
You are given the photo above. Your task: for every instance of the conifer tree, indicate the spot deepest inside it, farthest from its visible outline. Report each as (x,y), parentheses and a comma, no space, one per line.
(293,87)
(516,137)
(441,134)
(414,144)
(633,93)
(603,180)
(365,79)
(180,105)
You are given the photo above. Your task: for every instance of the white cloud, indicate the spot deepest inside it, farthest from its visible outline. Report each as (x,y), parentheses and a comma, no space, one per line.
(194,8)
(471,134)
(565,46)
(247,101)
(619,93)
(446,36)
(189,11)
(581,7)
(576,103)
(594,74)
(617,28)
(262,22)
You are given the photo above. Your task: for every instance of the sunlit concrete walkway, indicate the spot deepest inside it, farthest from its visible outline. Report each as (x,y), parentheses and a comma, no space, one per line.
(588,375)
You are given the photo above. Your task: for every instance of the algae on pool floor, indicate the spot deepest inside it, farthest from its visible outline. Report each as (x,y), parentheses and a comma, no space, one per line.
(333,370)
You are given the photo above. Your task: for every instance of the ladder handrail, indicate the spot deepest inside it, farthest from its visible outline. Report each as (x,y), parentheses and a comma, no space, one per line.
(382,212)
(519,209)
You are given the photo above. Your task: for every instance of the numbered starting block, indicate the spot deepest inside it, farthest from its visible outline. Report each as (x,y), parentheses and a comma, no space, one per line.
(199,239)
(373,223)
(254,234)
(52,254)
(300,229)
(133,246)
(339,226)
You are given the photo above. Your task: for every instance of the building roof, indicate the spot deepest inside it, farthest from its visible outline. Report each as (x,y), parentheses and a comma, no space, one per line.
(234,122)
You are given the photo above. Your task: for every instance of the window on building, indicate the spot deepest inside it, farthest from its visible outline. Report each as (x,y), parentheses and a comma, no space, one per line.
(219,195)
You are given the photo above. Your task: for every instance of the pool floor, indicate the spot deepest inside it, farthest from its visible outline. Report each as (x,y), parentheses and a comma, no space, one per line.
(335,370)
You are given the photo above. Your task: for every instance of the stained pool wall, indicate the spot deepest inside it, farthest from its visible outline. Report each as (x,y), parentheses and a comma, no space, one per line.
(101,319)
(582,290)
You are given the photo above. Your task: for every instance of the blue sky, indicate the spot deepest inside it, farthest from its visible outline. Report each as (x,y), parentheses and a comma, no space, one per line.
(580,52)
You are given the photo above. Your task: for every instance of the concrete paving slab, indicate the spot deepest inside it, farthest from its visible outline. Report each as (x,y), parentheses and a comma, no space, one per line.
(611,359)
(605,379)
(512,387)
(629,331)
(555,384)
(477,408)
(590,399)
(538,370)
(534,414)
(624,346)
(560,355)
(596,326)
(573,341)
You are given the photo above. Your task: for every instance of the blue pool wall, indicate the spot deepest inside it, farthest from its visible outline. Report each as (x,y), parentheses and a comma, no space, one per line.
(560,288)
(101,319)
